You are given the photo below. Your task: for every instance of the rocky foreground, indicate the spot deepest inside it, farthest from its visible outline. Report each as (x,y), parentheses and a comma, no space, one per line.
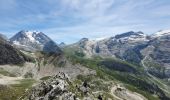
(54,88)
(59,87)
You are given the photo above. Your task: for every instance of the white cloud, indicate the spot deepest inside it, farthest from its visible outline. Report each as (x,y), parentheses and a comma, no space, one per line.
(85,18)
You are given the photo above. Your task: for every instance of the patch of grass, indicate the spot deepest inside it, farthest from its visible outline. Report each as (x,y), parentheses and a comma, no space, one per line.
(80,54)
(24,83)
(98,85)
(150,64)
(15,91)
(107,96)
(6,73)
(28,75)
(145,94)
(45,62)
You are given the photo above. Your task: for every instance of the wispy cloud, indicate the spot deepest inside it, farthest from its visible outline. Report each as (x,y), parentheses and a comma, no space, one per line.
(70,20)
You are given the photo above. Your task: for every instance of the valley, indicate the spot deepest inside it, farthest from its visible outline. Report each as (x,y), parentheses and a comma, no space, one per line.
(128,66)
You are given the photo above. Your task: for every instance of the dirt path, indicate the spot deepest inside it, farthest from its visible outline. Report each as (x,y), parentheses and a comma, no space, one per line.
(112,93)
(126,95)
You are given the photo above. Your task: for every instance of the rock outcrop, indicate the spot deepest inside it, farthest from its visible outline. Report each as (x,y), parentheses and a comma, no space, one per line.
(55,88)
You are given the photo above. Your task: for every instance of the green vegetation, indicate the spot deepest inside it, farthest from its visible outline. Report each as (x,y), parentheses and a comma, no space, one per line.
(144,93)
(97,86)
(6,73)
(140,82)
(80,54)
(15,91)
(28,75)
(149,63)
(85,78)
(45,78)
(45,62)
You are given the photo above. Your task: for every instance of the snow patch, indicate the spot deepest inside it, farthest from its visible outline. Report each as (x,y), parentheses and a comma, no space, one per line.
(99,39)
(162,33)
(30,36)
(16,43)
(134,38)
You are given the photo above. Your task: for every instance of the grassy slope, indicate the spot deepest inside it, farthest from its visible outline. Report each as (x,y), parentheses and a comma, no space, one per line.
(15,91)
(6,73)
(137,82)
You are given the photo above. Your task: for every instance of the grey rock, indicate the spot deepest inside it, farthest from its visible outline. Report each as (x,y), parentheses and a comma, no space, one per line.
(52,89)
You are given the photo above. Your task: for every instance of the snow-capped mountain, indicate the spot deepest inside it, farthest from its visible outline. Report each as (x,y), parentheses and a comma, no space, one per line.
(134,47)
(33,41)
(161,33)
(113,46)
(131,37)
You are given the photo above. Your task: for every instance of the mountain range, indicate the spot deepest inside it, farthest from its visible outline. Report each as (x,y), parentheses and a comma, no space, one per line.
(127,66)
(134,47)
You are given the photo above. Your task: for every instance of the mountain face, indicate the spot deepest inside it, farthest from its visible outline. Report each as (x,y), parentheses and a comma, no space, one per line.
(127,46)
(119,46)
(157,54)
(10,55)
(34,41)
(152,52)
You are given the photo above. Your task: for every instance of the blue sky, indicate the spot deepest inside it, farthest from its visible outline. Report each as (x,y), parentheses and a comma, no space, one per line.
(71,20)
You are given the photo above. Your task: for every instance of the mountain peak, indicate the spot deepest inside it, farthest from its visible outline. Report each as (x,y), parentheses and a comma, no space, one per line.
(128,34)
(62,45)
(83,40)
(30,37)
(162,33)
(32,40)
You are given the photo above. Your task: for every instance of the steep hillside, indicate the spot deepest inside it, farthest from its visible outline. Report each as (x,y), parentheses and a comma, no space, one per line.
(157,55)
(73,76)
(10,55)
